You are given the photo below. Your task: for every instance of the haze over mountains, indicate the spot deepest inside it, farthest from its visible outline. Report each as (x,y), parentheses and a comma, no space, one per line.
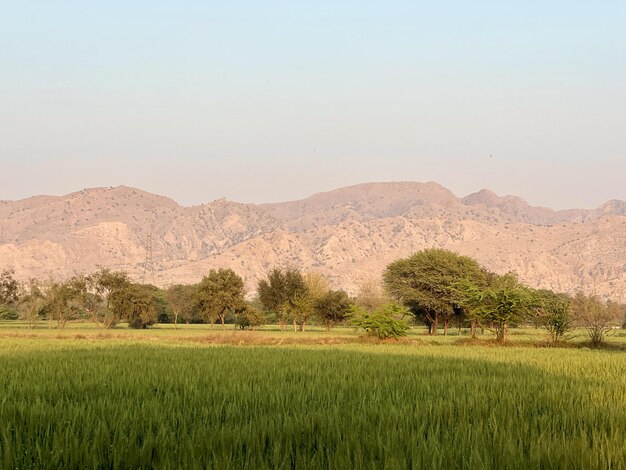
(348,234)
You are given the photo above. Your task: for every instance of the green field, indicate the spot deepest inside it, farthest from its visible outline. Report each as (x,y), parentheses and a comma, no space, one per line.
(169,398)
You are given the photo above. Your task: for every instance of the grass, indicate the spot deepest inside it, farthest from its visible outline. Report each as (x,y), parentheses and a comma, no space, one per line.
(156,399)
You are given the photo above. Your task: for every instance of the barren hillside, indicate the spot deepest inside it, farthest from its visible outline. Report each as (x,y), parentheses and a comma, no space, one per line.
(347,234)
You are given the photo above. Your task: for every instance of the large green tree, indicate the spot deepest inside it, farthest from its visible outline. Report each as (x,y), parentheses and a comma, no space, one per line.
(426,283)
(219,294)
(101,289)
(282,293)
(503,301)
(62,302)
(182,299)
(137,304)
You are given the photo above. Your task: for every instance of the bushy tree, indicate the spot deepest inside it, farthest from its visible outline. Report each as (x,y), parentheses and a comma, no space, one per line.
(385,322)
(504,301)
(249,317)
(333,308)
(32,302)
(136,304)
(553,313)
(62,302)
(219,294)
(9,295)
(282,292)
(102,288)
(426,283)
(182,299)
(596,316)
(316,287)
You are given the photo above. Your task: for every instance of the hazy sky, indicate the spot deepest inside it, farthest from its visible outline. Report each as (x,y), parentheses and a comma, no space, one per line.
(262,101)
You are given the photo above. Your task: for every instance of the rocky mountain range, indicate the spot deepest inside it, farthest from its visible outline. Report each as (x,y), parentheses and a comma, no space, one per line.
(349,234)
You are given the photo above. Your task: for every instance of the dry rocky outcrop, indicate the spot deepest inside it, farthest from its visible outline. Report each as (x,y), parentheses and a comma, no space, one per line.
(348,234)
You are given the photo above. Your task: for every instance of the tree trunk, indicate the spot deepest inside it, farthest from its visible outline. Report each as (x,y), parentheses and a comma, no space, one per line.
(445,327)
(435,324)
(295,325)
(303,325)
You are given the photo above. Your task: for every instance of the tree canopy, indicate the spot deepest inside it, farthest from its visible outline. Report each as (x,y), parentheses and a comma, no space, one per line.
(425,282)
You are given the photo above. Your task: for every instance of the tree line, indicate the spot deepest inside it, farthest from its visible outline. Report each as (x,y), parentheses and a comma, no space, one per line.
(438,288)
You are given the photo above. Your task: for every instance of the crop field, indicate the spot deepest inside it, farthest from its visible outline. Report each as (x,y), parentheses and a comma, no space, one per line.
(166,400)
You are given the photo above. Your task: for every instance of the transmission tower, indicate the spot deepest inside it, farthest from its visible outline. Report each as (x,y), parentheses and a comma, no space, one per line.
(148,266)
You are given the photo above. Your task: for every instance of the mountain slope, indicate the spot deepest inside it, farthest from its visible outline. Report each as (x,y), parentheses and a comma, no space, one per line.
(348,234)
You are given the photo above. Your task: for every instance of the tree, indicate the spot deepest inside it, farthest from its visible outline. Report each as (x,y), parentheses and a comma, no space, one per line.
(249,317)
(219,294)
(333,308)
(62,302)
(426,283)
(32,302)
(103,287)
(136,304)
(371,294)
(553,313)
(281,293)
(503,301)
(385,322)
(316,288)
(595,316)
(9,295)
(182,299)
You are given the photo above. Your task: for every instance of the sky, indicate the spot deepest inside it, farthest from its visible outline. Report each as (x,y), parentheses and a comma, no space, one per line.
(262,101)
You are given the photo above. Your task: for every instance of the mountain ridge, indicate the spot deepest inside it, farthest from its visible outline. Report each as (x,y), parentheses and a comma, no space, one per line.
(348,234)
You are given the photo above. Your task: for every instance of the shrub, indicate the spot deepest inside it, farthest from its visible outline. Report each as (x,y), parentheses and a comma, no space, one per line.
(249,317)
(385,322)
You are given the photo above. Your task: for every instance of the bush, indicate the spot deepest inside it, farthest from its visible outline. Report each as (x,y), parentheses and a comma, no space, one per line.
(8,313)
(249,318)
(385,322)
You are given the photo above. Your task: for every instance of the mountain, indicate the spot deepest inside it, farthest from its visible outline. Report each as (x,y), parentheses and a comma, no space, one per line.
(348,234)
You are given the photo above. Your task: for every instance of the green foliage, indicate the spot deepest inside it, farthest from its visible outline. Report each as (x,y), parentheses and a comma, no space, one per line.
(32,303)
(385,322)
(553,313)
(8,313)
(183,303)
(62,302)
(504,301)
(101,291)
(425,282)
(220,294)
(249,317)
(9,290)
(333,308)
(137,305)
(282,292)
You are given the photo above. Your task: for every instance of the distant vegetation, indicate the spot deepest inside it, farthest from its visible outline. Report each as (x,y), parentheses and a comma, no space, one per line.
(435,287)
